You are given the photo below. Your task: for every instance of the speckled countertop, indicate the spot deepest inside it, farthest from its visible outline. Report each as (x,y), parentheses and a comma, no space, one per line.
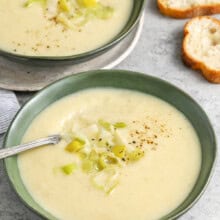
(158,53)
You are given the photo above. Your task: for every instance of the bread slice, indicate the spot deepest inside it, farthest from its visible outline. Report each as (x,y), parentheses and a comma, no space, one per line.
(201,46)
(188,8)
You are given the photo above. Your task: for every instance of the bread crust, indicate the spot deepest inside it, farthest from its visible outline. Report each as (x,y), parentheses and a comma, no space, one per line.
(212,75)
(189,12)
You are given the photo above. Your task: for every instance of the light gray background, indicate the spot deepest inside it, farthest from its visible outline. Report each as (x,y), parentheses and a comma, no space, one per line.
(159,54)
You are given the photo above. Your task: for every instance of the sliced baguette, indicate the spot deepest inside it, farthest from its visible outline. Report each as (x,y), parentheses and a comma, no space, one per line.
(201,46)
(188,8)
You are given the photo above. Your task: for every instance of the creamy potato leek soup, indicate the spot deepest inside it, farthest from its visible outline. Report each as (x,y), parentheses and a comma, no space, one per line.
(124,155)
(60,27)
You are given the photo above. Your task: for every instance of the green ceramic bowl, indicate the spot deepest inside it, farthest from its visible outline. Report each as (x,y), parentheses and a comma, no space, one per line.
(63,60)
(115,79)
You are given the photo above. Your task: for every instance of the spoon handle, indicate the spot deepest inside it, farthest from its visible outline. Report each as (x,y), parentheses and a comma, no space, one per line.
(7,152)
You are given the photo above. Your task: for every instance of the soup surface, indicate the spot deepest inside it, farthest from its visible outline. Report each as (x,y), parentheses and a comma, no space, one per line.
(153,157)
(60,27)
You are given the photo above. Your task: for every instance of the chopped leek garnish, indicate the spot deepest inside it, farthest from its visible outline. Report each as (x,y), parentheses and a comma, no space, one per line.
(102,12)
(87,3)
(80,140)
(105,124)
(72,14)
(101,154)
(82,155)
(119,151)
(87,165)
(30,2)
(110,159)
(93,155)
(64,5)
(102,163)
(135,155)
(69,168)
(105,180)
(120,125)
(74,146)
(106,160)
(62,19)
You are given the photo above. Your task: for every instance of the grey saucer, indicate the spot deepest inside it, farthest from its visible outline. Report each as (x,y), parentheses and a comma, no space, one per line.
(21,77)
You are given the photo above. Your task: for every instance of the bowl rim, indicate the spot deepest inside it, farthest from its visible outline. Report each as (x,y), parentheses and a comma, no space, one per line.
(126,72)
(85,55)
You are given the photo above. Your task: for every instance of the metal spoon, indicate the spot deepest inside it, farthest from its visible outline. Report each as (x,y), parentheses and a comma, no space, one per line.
(7,152)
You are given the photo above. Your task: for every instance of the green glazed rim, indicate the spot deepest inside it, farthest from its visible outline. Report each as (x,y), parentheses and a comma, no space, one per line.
(116,79)
(134,18)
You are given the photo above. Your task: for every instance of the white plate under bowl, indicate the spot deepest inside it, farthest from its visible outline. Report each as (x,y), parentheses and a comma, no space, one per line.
(21,77)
